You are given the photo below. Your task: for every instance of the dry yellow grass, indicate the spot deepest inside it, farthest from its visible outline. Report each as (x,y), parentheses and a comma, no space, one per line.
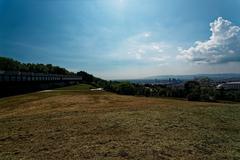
(102,125)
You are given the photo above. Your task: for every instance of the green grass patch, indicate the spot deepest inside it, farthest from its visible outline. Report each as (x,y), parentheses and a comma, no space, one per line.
(80,87)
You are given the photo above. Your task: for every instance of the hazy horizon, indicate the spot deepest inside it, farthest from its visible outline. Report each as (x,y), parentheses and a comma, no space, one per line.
(124,39)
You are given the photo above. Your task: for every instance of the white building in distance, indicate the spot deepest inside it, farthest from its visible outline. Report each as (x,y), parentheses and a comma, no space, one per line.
(229,86)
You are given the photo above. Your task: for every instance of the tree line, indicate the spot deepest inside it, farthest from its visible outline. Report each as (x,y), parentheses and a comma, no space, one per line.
(193,90)
(8,64)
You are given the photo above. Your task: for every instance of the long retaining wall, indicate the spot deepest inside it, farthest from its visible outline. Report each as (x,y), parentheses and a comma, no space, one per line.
(12,76)
(13,83)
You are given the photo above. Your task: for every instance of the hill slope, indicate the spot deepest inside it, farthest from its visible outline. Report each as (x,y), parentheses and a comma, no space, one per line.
(101,125)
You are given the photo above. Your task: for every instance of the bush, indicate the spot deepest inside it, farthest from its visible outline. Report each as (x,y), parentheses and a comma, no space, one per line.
(124,88)
(193,96)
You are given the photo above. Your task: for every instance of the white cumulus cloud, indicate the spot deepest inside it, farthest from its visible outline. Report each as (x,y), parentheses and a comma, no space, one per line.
(141,47)
(223,45)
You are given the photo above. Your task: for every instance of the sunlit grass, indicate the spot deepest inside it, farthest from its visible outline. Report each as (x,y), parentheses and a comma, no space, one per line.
(102,125)
(77,87)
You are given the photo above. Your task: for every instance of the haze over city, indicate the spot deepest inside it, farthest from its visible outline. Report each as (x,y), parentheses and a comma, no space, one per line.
(124,39)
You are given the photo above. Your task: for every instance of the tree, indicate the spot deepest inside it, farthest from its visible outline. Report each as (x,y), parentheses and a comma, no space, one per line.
(192,89)
(124,88)
(85,76)
(8,64)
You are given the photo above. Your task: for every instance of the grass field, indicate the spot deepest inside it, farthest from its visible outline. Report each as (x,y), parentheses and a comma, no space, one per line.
(101,125)
(81,87)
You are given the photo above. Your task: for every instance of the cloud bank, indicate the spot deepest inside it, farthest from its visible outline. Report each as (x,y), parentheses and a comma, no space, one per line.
(223,45)
(141,47)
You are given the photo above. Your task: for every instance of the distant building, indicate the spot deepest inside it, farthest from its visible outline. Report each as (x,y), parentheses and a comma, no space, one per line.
(97,89)
(229,85)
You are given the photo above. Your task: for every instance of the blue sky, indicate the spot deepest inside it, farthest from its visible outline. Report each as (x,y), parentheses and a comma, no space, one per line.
(124,38)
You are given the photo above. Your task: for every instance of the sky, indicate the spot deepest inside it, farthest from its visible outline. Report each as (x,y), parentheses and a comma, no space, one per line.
(124,39)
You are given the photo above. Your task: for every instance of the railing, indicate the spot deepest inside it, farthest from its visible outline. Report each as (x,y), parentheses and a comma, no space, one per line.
(12,76)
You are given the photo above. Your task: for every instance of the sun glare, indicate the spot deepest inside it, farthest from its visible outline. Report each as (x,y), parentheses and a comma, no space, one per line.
(120,4)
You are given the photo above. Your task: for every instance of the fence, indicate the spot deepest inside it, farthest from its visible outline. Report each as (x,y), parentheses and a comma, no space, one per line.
(12,76)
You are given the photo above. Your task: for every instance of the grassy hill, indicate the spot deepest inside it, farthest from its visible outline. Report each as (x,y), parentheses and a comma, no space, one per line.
(79,87)
(83,124)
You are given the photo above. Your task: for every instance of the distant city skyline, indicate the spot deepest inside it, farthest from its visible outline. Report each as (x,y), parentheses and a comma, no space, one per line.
(124,39)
